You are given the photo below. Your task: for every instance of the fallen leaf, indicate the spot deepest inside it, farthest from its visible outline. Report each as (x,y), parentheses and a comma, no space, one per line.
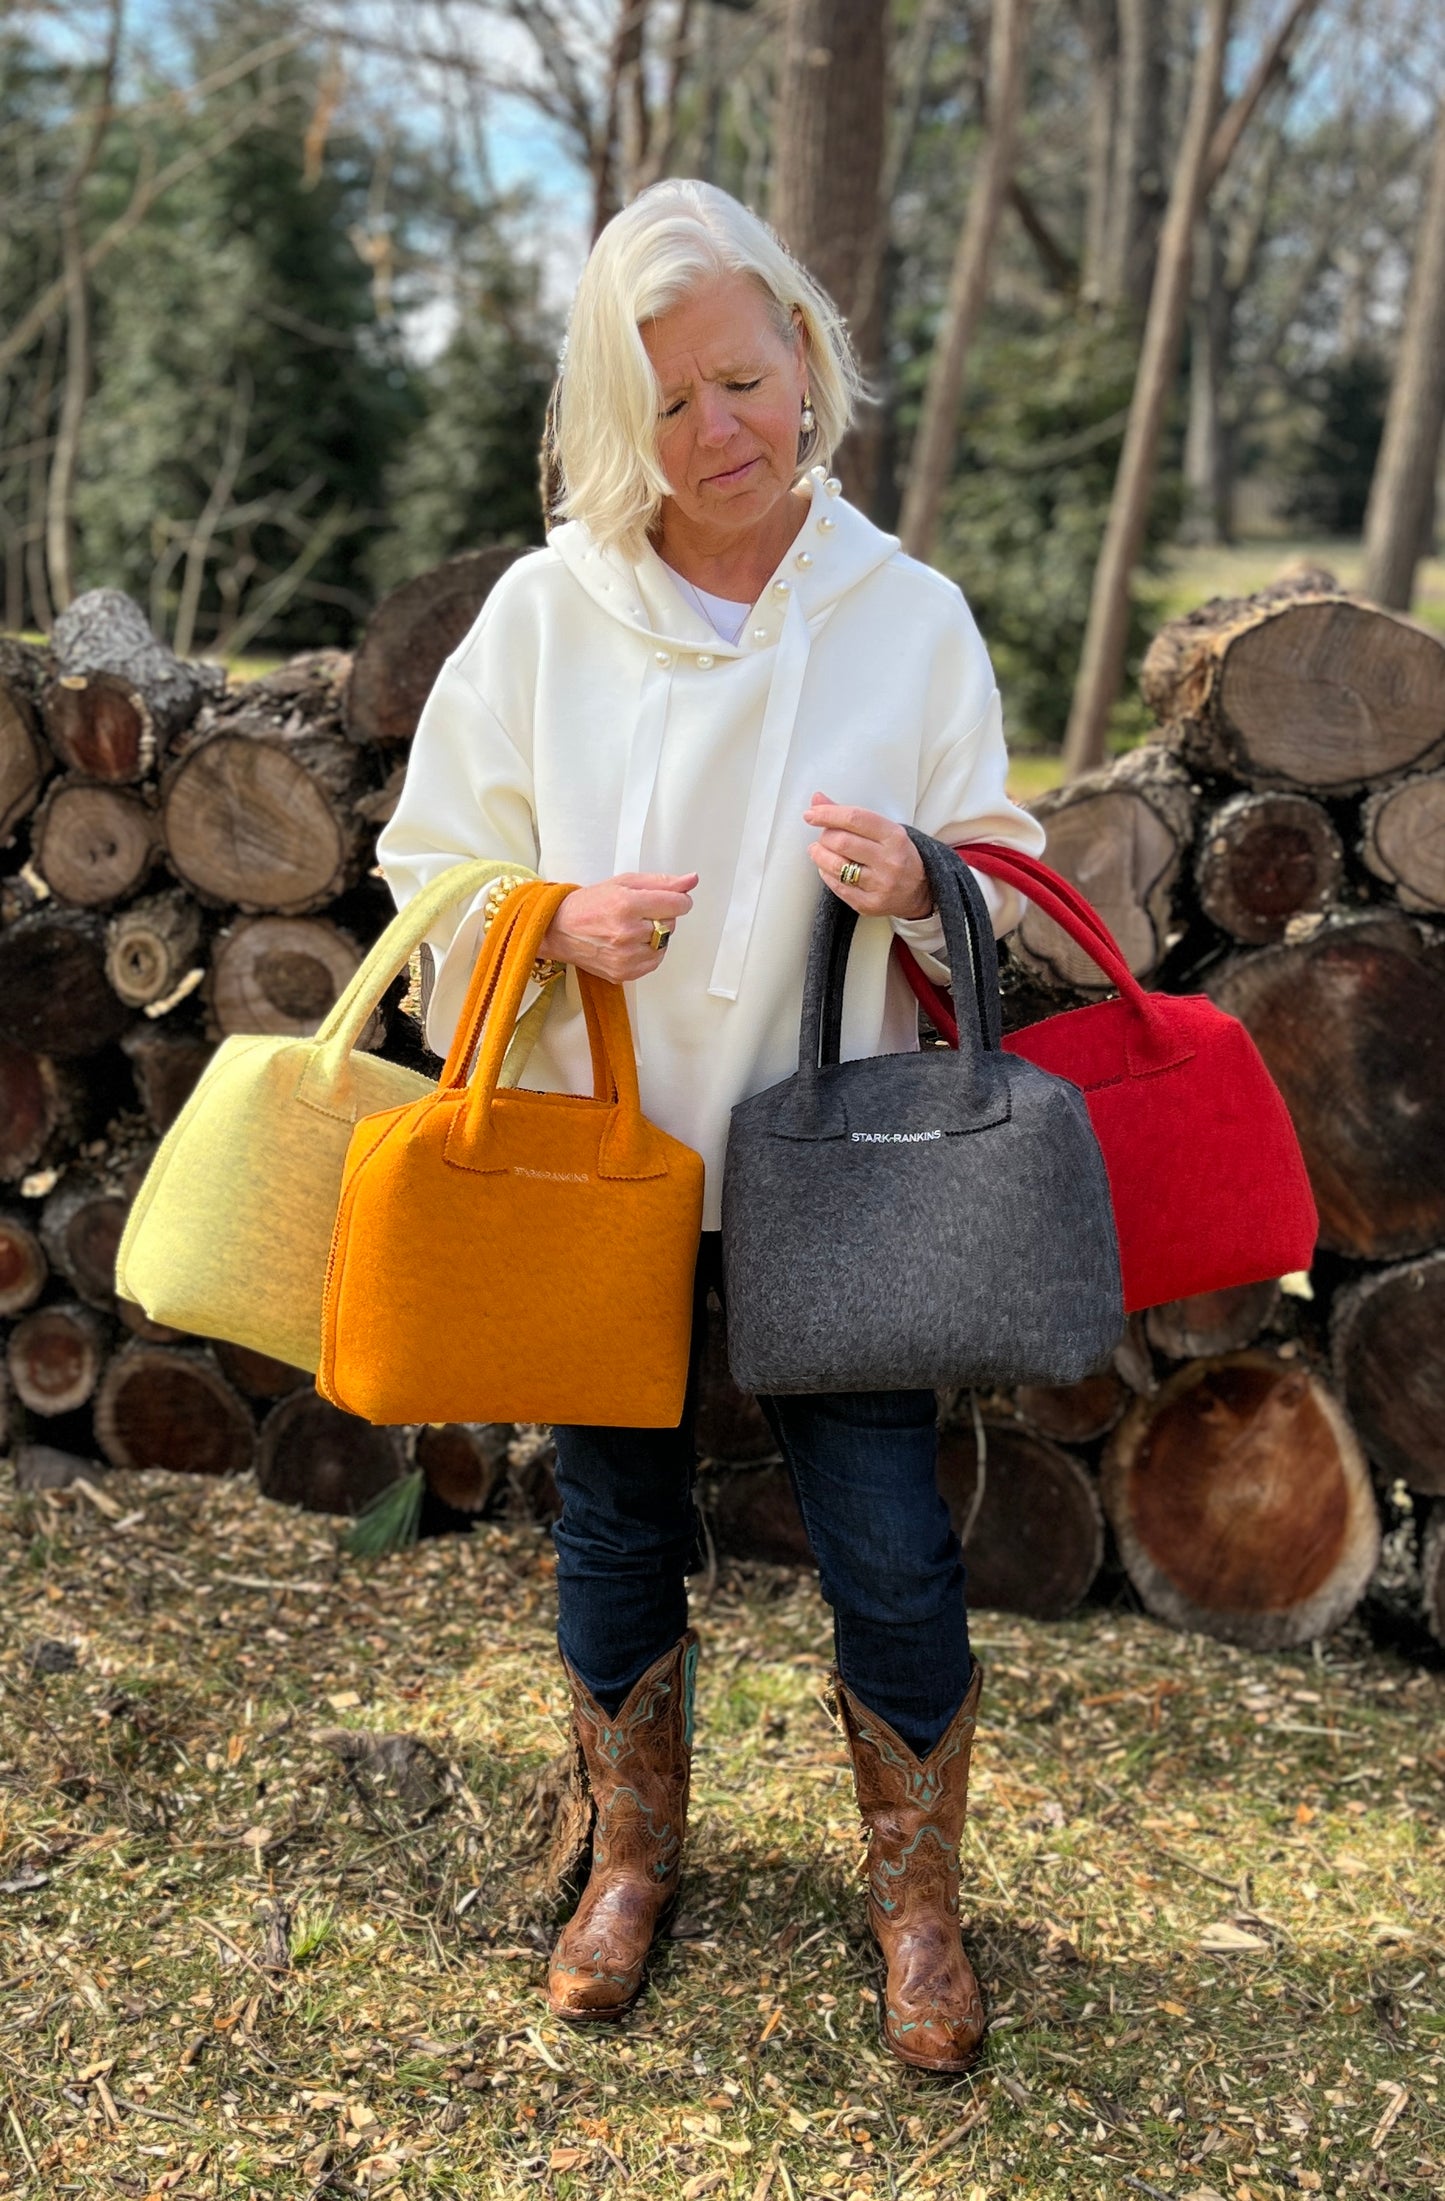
(567,2158)
(1223,1939)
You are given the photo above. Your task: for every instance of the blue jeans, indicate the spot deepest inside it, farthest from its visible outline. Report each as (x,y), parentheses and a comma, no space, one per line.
(863,1467)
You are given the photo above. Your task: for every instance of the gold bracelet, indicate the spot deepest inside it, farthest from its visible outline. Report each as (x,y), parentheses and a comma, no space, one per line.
(544,967)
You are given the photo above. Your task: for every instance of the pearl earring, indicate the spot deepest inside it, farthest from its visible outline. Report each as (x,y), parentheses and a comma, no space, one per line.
(810,418)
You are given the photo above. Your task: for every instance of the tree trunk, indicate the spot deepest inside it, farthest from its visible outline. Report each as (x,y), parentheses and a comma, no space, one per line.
(930,464)
(1028,1515)
(1264,859)
(1351,1025)
(150,947)
(80,1228)
(44,1108)
(1136,188)
(1387,1336)
(55,1355)
(826,200)
(1402,492)
(1106,635)
(278,974)
(1296,688)
(1241,1502)
(1402,839)
(92,843)
(263,817)
(170,1406)
(23,1266)
(311,1454)
(1099,23)
(1122,837)
(53,991)
(105,632)
(1208,439)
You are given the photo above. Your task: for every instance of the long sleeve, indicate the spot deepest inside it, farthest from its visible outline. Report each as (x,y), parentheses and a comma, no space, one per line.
(467,792)
(962,798)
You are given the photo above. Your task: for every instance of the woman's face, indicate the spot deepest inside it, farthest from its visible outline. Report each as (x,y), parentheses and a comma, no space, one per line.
(729,405)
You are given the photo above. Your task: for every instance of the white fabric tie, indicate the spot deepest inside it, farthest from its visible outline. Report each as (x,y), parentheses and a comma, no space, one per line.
(769,764)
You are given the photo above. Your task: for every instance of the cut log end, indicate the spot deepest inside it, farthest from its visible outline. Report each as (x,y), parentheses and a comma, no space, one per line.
(55,1355)
(1264,859)
(311,1454)
(1388,1342)
(1029,1517)
(170,1406)
(1241,1502)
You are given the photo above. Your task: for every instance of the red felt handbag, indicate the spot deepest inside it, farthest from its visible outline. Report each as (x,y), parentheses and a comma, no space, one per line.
(1208,1181)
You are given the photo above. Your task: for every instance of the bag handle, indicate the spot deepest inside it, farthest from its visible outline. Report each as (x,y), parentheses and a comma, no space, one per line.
(815,1108)
(629,1146)
(1151,1043)
(339,1033)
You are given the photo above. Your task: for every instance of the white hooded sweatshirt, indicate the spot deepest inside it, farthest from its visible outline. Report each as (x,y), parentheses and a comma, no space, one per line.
(593,722)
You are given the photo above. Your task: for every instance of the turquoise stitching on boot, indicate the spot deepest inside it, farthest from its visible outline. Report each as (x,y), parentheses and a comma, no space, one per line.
(689,1691)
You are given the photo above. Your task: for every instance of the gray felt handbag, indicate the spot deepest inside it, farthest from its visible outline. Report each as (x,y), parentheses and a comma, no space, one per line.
(916,1220)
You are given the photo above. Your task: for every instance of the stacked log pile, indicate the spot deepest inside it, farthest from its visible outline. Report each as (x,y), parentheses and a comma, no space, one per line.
(1264,1461)
(186,860)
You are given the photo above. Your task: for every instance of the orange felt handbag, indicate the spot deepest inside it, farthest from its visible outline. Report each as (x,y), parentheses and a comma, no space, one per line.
(503,1255)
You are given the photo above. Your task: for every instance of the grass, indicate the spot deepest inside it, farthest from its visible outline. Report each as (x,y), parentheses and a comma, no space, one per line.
(1205,1891)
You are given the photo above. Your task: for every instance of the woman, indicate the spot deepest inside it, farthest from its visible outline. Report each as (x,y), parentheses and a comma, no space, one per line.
(716,686)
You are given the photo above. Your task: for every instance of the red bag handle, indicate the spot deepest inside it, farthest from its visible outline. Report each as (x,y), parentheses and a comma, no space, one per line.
(1151,1044)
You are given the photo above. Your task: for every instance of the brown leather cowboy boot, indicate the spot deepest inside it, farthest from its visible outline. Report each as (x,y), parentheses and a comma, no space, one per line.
(638,1763)
(914,1810)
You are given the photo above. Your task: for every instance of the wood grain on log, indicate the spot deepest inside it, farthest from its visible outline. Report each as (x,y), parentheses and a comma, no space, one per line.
(266,820)
(1211,1322)
(465,1463)
(1121,836)
(150,947)
(311,1454)
(1029,1516)
(55,1355)
(1351,1025)
(54,995)
(1074,1413)
(409,635)
(43,1110)
(1241,1502)
(1317,693)
(1387,1336)
(99,726)
(105,632)
(166,1066)
(170,1406)
(92,843)
(277,974)
(730,1426)
(1264,859)
(1402,839)
(258,1374)
(23,1266)
(80,1228)
(24,759)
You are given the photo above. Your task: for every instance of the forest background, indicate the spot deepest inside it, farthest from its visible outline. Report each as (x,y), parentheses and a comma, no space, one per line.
(283,283)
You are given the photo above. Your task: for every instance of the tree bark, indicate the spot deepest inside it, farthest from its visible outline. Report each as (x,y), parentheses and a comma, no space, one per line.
(1402,493)
(930,464)
(1136,188)
(1106,634)
(826,199)
(24,761)
(105,631)
(409,635)
(1241,1502)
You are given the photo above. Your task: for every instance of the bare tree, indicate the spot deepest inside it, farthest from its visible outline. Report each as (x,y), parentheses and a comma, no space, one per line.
(1106,634)
(827,201)
(931,461)
(1400,513)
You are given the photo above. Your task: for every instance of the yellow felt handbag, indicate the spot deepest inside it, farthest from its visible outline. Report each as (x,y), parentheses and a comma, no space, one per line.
(229,1233)
(515,1256)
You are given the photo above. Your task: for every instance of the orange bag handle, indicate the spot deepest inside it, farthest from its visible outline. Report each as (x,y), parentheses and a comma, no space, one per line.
(629,1146)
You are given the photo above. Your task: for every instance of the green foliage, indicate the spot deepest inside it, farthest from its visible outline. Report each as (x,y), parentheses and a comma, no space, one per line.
(1329,459)
(1025,513)
(389,1522)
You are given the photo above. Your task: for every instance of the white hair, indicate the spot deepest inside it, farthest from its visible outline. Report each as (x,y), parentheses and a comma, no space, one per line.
(673,237)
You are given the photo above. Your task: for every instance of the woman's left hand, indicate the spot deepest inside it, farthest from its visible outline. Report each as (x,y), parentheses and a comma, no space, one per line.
(892,882)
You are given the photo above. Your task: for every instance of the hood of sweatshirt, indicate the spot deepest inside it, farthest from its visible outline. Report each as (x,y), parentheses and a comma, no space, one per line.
(835,550)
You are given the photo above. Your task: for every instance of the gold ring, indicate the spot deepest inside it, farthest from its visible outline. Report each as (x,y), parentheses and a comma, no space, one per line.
(850,874)
(660,935)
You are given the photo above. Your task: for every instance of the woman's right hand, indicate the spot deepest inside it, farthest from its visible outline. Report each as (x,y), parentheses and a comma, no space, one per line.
(606,929)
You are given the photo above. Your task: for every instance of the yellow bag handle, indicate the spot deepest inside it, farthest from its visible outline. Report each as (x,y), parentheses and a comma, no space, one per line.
(340,1031)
